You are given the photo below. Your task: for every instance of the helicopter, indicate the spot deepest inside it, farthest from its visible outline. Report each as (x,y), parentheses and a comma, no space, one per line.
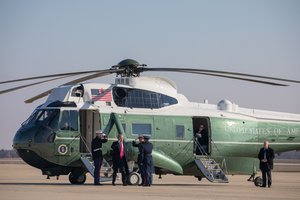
(56,138)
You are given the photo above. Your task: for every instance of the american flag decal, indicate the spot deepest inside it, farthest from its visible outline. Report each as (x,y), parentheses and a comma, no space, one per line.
(101,94)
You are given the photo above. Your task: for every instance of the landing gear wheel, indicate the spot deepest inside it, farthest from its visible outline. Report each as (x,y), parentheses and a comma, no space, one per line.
(258,181)
(77,179)
(199,178)
(134,178)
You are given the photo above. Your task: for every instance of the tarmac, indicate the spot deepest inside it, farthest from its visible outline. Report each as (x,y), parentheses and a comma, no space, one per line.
(21,181)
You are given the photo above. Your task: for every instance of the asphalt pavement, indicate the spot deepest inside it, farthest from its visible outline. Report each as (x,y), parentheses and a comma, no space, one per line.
(20,181)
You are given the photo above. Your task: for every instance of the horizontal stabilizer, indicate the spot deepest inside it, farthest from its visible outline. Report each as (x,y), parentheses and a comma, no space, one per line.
(165,162)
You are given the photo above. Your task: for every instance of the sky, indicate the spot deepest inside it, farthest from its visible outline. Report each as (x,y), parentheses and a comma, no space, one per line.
(262,37)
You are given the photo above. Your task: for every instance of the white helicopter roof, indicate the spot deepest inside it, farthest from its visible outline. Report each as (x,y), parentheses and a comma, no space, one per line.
(155,84)
(104,99)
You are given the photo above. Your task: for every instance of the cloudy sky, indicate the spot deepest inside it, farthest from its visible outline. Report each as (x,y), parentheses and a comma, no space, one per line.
(258,36)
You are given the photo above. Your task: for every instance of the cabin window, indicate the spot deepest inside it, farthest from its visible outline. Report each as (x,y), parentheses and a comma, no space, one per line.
(69,120)
(180,131)
(138,129)
(136,98)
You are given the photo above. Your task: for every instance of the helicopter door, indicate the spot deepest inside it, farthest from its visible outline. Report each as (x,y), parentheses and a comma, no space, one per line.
(89,123)
(206,140)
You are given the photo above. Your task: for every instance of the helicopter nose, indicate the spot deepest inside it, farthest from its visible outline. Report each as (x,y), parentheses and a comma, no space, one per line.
(24,137)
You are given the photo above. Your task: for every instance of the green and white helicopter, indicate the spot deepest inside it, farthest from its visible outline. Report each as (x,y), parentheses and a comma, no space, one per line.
(56,138)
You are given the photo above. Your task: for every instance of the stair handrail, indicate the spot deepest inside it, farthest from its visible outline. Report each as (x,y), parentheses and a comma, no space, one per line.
(202,151)
(84,141)
(223,161)
(225,166)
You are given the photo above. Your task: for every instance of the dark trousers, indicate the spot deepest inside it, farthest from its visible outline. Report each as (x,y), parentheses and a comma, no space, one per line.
(124,171)
(142,173)
(148,165)
(267,176)
(148,176)
(97,164)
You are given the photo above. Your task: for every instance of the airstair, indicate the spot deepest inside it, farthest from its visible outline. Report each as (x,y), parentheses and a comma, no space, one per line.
(106,169)
(209,167)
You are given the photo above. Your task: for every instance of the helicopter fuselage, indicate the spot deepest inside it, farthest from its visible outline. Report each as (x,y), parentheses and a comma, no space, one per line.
(60,131)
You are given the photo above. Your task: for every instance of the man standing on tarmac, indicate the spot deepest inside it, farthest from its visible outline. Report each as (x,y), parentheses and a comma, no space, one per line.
(97,154)
(119,160)
(147,161)
(139,159)
(266,156)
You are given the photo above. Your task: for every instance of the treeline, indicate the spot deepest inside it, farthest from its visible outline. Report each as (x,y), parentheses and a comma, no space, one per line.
(8,154)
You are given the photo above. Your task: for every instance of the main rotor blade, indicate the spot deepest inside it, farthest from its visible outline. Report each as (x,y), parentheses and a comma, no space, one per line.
(31,84)
(52,75)
(99,74)
(238,78)
(191,70)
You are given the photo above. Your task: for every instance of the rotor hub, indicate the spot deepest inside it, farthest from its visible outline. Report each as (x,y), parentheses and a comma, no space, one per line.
(130,68)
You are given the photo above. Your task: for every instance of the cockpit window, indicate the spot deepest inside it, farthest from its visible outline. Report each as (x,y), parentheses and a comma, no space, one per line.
(47,121)
(69,120)
(50,118)
(136,98)
(45,117)
(31,118)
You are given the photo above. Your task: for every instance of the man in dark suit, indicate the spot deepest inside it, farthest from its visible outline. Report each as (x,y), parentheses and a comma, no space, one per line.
(119,160)
(202,141)
(97,154)
(266,156)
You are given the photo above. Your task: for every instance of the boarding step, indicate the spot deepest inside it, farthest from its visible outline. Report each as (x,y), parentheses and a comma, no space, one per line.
(210,169)
(105,172)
